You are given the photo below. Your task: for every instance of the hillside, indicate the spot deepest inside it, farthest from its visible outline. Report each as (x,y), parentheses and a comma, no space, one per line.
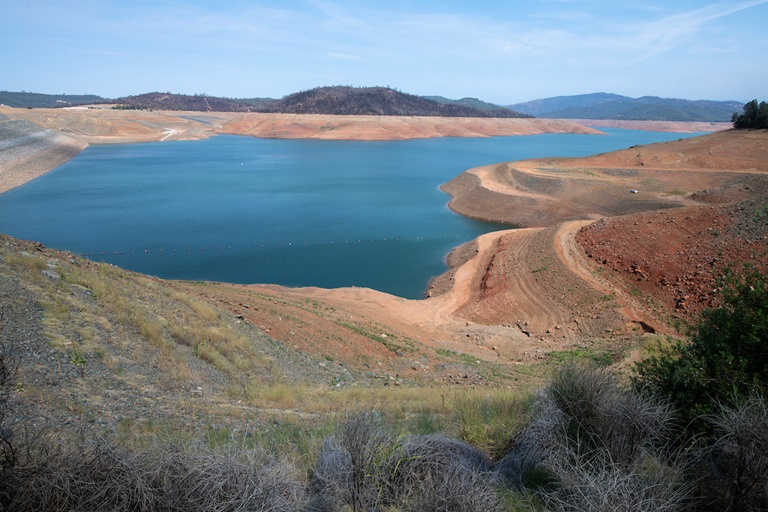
(614,106)
(36,100)
(380,101)
(467,102)
(185,102)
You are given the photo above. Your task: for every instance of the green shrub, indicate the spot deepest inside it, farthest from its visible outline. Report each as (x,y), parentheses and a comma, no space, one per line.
(725,359)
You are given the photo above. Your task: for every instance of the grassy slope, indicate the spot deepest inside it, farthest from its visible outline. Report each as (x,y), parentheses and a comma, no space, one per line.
(123,352)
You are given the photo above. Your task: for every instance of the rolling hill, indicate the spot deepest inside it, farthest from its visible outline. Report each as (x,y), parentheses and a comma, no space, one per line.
(381,101)
(613,106)
(37,100)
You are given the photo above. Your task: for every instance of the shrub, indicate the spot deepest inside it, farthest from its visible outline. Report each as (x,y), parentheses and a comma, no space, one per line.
(364,467)
(95,475)
(737,462)
(725,358)
(8,454)
(602,446)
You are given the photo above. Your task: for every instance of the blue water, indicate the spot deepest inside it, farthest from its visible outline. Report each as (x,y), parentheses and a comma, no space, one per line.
(290,212)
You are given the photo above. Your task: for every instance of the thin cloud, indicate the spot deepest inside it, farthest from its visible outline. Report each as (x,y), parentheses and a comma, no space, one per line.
(657,37)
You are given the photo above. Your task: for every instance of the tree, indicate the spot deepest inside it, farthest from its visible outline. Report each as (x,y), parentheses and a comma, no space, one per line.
(726,359)
(754,116)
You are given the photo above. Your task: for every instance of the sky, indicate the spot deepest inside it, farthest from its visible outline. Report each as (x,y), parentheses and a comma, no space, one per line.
(504,51)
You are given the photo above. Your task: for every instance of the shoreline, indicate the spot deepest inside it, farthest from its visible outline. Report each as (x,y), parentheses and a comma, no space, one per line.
(36,141)
(513,296)
(63,133)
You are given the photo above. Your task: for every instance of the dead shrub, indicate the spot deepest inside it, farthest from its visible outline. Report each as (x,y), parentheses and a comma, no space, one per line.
(603,447)
(364,467)
(737,462)
(98,475)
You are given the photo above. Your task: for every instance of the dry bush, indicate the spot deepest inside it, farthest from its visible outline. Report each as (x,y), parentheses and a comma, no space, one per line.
(604,447)
(737,462)
(98,475)
(7,448)
(648,485)
(435,473)
(364,467)
(349,467)
(600,418)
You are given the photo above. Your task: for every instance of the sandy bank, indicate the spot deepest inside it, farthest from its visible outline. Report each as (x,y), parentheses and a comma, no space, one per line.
(657,126)
(28,151)
(292,126)
(542,192)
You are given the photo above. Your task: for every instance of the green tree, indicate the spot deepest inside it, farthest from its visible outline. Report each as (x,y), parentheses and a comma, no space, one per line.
(754,116)
(726,359)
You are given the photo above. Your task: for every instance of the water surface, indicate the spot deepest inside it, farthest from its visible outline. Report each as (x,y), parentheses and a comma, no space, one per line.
(290,212)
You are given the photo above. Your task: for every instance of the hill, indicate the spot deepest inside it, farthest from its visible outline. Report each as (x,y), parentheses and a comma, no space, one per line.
(614,106)
(196,103)
(467,102)
(36,100)
(380,101)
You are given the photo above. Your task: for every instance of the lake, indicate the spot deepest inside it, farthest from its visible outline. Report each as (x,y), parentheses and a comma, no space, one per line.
(291,212)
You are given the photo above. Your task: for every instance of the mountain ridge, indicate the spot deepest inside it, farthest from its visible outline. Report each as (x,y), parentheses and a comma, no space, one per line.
(382,101)
(603,105)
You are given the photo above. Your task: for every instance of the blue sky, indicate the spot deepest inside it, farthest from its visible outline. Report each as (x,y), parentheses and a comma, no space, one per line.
(500,51)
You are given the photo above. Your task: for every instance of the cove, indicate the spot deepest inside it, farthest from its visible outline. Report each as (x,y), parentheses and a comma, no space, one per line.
(290,212)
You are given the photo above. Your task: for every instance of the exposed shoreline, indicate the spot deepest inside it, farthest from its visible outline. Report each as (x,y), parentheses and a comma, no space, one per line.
(510,296)
(62,133)
(36,141)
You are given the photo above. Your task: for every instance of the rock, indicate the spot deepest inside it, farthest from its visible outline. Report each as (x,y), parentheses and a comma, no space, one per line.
(51,275)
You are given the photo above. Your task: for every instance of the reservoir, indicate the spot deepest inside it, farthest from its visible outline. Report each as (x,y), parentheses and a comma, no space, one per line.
(290,212)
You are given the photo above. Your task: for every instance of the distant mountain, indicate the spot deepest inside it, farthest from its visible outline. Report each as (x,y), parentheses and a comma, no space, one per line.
(613,106)
(381,101)
(36,100)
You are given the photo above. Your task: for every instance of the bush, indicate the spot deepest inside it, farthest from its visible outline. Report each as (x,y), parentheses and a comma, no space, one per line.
(364,467)
(603,447)
(737,462)
(725,359)
(7,449)
(95,475)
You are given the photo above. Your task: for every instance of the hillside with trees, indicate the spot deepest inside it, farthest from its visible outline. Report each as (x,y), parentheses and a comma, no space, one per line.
(467,102)
(36,100)
(614,106)
(196,103)
(753,116)
(379,101)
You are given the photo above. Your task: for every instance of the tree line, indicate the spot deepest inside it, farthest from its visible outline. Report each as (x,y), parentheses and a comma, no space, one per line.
(754,116)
